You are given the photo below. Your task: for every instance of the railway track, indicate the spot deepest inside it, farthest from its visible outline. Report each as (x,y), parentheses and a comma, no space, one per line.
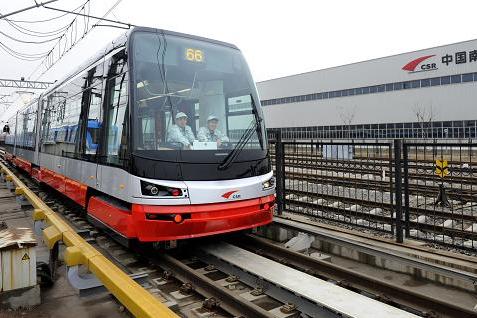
(341,209)
(381,289)
(198,287)
(370,169)
(454,193)
(306,156)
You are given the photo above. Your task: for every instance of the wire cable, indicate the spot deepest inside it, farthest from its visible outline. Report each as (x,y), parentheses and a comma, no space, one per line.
(47,20)
(33,35)
(28,42)
(17,55)
(36,33)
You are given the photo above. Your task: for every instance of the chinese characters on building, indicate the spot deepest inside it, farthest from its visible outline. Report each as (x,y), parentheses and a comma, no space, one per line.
(460,57)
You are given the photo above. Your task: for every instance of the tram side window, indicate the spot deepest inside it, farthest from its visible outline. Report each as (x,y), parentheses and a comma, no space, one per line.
(10,137)
(28,116)
(94,121)
(117,115)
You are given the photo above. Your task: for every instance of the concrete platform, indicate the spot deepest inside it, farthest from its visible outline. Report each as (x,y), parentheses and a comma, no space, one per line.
(60,300)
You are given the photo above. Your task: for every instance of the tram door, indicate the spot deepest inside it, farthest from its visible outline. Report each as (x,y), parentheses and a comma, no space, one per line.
(88,128)
(112,178)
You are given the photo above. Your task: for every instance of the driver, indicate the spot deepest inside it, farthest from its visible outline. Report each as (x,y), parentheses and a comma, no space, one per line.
(211,133)
(181,132)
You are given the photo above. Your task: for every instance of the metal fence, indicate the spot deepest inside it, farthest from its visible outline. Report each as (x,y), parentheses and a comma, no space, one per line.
(440,197)
(386,186)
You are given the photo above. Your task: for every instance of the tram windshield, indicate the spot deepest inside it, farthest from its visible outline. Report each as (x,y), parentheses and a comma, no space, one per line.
(193,95)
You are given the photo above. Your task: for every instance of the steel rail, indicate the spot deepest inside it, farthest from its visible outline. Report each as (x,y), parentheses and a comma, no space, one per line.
(367,184)
(354,280)
(378,251)
(231,303)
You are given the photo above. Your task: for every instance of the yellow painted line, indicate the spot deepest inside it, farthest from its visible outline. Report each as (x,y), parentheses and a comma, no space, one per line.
(135,298)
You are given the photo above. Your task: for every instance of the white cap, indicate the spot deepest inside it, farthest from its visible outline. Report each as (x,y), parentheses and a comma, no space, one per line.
(211,117)
(180,115)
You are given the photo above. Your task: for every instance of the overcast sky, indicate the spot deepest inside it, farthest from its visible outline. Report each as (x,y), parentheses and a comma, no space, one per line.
(278,37)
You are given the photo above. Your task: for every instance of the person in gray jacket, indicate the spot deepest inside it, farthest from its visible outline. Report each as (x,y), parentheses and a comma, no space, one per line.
(211,133)
(181,132)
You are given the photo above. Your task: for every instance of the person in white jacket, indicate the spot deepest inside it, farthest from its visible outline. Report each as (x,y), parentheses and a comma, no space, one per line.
(211,133)
(181,132)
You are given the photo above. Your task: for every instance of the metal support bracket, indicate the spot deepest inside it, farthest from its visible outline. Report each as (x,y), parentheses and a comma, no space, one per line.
(10,185)
(88,284)
(22,201)
(39,226)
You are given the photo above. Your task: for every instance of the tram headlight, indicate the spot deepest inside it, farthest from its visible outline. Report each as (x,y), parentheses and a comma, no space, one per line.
(269,184)
(151,189)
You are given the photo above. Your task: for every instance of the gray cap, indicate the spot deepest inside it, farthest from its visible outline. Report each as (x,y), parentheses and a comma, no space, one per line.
(180,115)
(212,117)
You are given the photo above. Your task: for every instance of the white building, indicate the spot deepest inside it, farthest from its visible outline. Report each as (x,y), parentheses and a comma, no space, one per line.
(428,93)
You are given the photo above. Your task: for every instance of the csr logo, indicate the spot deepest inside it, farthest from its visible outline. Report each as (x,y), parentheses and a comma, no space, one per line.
(418,65)
(428,67)
(231,195)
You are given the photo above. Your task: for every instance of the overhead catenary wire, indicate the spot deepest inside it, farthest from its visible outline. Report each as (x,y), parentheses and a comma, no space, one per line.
(36,56)
(46,20)
(94,17)
(33,33)
(28,42)
(37,5)
(49,60)
(24,55)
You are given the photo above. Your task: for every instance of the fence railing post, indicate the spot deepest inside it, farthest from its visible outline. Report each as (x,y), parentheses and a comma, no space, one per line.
(405,159)
(398,189)
(280,171)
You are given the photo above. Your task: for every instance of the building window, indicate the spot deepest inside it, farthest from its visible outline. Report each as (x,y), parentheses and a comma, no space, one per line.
(435,81)
(445,80)
(469,77)
(426,82)
(456,79)
(398,86)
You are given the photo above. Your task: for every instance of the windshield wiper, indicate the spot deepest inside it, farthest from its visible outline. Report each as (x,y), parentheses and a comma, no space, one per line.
(255,125)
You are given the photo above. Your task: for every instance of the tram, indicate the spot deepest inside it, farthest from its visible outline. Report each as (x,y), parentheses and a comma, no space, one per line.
(159,137)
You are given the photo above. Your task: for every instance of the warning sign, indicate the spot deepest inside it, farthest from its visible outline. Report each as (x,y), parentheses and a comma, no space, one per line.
(442,168)
(26,257)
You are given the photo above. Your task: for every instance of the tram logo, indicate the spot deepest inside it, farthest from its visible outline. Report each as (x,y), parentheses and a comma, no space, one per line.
(231,195)
(412,66)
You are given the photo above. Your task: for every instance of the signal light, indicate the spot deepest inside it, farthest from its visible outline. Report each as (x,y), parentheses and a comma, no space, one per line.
(178,218)
(175,192)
